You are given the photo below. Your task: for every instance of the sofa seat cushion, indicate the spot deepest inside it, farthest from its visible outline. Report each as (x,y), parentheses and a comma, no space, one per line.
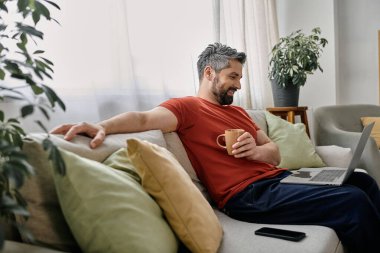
(239,237)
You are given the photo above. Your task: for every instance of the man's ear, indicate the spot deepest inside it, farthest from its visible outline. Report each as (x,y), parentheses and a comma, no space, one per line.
(208,73)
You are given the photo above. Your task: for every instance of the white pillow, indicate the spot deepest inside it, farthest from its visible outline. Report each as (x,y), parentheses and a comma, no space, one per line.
(335,156)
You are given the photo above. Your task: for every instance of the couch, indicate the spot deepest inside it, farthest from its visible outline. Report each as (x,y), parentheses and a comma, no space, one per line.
(341,125)
(46,213)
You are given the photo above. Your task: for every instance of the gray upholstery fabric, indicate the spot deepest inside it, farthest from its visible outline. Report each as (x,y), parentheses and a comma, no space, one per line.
(80,145)
(341,125)
(16,247)
(239,237)
(258,117)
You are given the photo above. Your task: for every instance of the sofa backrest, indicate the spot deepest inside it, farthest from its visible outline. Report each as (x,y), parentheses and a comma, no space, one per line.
(345,117)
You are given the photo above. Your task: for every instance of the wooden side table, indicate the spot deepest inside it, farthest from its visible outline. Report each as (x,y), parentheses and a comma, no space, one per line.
(289,113)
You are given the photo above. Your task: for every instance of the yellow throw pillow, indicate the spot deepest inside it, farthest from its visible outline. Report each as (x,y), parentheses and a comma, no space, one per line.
(376,128)
(187,211)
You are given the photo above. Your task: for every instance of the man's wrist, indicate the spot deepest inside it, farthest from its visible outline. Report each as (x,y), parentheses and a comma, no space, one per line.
(103,126)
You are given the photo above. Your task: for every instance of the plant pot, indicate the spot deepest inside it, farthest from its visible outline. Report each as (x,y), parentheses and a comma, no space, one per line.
(285,96)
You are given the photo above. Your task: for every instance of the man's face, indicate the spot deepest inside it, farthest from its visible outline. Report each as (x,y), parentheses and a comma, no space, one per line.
(226,82)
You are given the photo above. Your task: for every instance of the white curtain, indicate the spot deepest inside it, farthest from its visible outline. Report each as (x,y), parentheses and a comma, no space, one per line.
(124,55)
(250,26)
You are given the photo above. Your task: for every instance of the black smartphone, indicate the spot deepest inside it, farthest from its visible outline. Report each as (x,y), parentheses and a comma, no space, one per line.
(281,234)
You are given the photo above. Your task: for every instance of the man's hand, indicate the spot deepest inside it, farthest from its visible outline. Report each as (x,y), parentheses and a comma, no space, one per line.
(262,149)
(245,146)
(95,131)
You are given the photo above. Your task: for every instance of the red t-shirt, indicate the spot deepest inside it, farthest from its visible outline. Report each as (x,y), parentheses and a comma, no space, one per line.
(199,124)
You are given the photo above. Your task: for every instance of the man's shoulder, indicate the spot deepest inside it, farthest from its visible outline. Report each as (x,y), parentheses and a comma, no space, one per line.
(238,108)
(188,100)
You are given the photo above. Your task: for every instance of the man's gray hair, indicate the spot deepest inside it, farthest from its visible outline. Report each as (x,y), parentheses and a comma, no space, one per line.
(217,56)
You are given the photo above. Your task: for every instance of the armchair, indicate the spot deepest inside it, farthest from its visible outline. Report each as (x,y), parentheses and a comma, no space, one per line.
(341,125)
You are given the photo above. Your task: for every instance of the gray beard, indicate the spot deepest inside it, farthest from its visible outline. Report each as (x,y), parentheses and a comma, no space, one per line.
(221,95)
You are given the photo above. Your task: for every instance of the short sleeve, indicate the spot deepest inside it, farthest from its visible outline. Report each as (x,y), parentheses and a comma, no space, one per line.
(184,109)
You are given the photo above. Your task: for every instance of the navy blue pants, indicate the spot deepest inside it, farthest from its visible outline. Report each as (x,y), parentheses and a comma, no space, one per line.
(352,210)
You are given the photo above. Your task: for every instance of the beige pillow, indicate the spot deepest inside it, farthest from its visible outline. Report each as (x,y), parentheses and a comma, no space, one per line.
(187,211)
(376,128)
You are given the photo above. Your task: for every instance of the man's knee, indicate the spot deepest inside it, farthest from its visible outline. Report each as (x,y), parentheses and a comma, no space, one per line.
(358,204)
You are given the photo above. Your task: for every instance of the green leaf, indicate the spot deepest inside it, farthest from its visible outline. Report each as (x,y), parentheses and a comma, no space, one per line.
(22,5)
(43,10)
(23,38)
(58,162)
(2,74)
(21,46)
(1,116)
(48,61)
(27,110)
(38,52)
(30,30)
(14,120)
(12,67)
(52,96)
(44,112)
(36,89)
(18,129)
(13,97)
(4,8)
(39,123)
(54,156)
(46,144)
(52,3)
(36,17)
(3,27)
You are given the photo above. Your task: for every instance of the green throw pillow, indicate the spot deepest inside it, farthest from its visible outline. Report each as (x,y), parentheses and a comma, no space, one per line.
(108,210)
(295,146)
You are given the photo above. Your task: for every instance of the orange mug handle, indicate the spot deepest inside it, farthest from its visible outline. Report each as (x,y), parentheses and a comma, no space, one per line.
(217,140)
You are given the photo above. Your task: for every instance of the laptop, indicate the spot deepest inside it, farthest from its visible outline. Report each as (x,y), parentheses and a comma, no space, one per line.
(330,175)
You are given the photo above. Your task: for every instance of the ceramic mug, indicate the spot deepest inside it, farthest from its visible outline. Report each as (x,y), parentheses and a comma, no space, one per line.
(230,137)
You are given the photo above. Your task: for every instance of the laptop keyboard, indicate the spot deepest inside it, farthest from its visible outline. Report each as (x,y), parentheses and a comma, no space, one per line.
(328,175)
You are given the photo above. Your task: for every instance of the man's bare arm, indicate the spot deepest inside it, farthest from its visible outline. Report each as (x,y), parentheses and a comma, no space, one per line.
(157,118)
(263,150)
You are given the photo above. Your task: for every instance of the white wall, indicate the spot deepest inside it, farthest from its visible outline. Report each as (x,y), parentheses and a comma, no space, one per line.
(350,61)
(320,88)
(357,23)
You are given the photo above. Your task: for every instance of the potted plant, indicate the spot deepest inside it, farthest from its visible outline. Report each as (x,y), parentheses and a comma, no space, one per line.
(22,75)
(292,59)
